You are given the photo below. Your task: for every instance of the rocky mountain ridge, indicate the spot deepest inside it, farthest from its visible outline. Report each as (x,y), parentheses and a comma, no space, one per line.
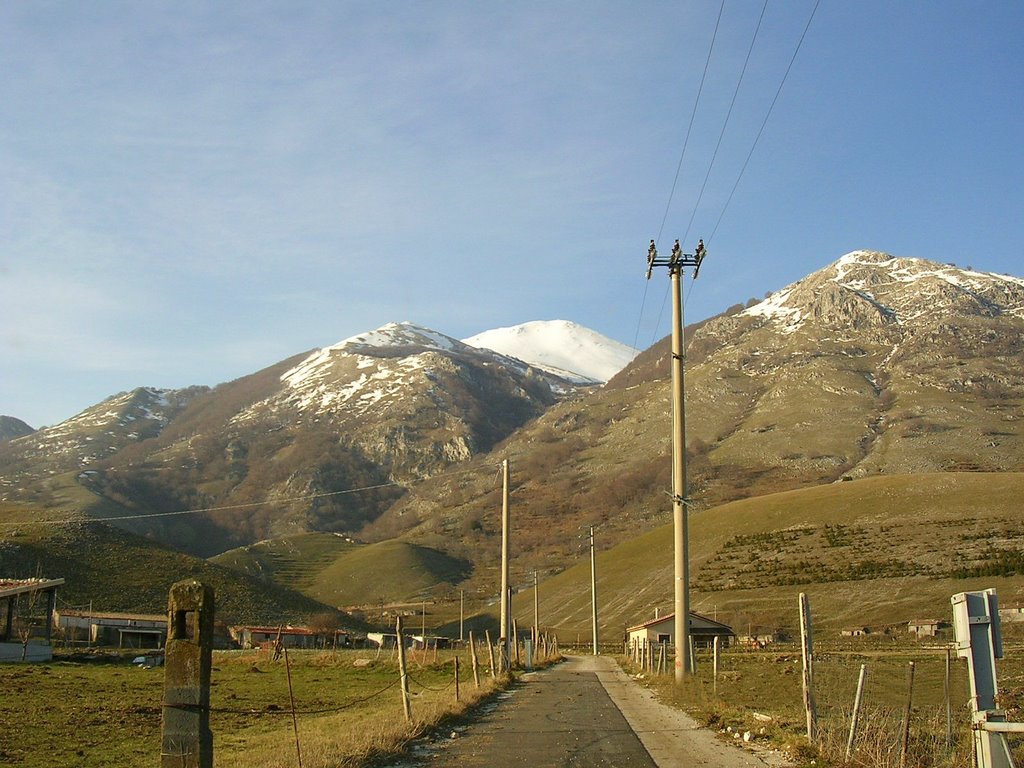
(373,412)
(872,365)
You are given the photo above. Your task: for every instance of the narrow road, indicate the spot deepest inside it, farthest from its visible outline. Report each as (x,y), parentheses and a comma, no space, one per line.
(584,713)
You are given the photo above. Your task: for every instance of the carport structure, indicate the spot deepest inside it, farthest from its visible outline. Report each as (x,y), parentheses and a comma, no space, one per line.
(27,625)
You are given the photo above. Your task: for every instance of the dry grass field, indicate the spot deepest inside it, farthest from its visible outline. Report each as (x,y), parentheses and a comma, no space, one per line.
(100,712)
(760,692)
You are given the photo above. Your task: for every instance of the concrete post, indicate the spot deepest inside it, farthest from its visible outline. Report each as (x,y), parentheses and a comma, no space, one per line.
(186,739)
(979,640)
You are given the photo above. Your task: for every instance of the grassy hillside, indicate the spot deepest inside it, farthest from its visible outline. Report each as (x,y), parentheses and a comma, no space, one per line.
(114,570)
(335,570)
(292,561)
(877,551)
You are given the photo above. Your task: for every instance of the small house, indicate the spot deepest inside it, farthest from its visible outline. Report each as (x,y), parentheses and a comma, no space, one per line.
(291,637)
(855,631)
(926,627)
(703,631)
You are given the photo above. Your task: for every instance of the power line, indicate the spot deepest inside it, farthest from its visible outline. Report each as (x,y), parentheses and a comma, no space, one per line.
(679,167)
(800,42)
(689,128)
(224,507)
(721,135)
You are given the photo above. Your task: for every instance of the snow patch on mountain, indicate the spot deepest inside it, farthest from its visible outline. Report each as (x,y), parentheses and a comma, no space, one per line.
(776,308)
(560,347)
(900,288)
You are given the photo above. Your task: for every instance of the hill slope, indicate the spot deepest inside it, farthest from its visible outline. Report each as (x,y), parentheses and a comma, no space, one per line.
(872,552)
(113,570)
(324,441)
(872,365)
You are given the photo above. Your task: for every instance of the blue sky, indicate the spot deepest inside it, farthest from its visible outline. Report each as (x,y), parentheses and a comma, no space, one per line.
(193,191)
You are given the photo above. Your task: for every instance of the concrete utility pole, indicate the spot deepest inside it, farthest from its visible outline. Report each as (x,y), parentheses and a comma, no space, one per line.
(675,263)
(536,608)
(506,597)
(593,590)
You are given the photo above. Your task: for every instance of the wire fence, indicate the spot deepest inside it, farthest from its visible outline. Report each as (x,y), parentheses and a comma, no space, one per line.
(912,709)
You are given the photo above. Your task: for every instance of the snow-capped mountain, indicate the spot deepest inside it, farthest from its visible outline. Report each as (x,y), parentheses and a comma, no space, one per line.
(560,347)
(874,363)
(378,410)
(873,289)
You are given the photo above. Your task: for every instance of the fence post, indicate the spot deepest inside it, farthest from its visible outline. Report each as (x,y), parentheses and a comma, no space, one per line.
(472,656)
(855,718)
(716,643)
(515,640)
(905,741)
(186,739)
(948,697)
(807,652)
(490,651)
(291,698)
(403,674)
(456,678)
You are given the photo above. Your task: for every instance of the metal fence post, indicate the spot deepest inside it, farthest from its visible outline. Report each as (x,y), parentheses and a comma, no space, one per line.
(186,739)
(978,639)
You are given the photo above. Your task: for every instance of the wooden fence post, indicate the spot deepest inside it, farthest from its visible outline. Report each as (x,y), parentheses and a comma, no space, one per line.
(472,656)
(855,718)
(949,704)
(456,678)
(905,741)
(490,651)
(807,653)
(716,644)
(403,673)
(291,699)
(186,740)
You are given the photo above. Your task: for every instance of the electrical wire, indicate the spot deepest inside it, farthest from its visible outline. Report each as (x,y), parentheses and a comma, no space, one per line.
(679,167)
(693,115)
(771,107)
(221,508)
(721,135)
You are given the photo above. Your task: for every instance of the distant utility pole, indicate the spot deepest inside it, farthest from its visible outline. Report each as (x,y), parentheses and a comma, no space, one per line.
(676,263)
(506,598)
(536,609)
(593,590)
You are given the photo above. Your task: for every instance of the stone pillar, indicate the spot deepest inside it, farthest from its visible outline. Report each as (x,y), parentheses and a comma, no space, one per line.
(186,739)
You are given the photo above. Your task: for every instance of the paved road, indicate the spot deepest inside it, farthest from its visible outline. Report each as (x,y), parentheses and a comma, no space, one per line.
(584,713)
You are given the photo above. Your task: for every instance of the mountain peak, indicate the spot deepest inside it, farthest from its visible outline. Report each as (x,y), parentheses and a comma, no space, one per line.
(561,347)
(872,288)
(397,335)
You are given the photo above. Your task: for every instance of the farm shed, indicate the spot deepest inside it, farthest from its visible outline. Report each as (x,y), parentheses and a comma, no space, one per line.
(662,630)
(856,631)
(1011,614)
(291,637)
(25,631)
(124,630)
(926,627)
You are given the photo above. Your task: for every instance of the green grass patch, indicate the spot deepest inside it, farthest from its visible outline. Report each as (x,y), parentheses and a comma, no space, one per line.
(86,713)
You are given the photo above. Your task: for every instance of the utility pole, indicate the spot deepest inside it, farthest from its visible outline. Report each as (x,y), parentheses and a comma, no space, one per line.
(506,598)
(536,609)
(680,523)
(593,590)
(462,613)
